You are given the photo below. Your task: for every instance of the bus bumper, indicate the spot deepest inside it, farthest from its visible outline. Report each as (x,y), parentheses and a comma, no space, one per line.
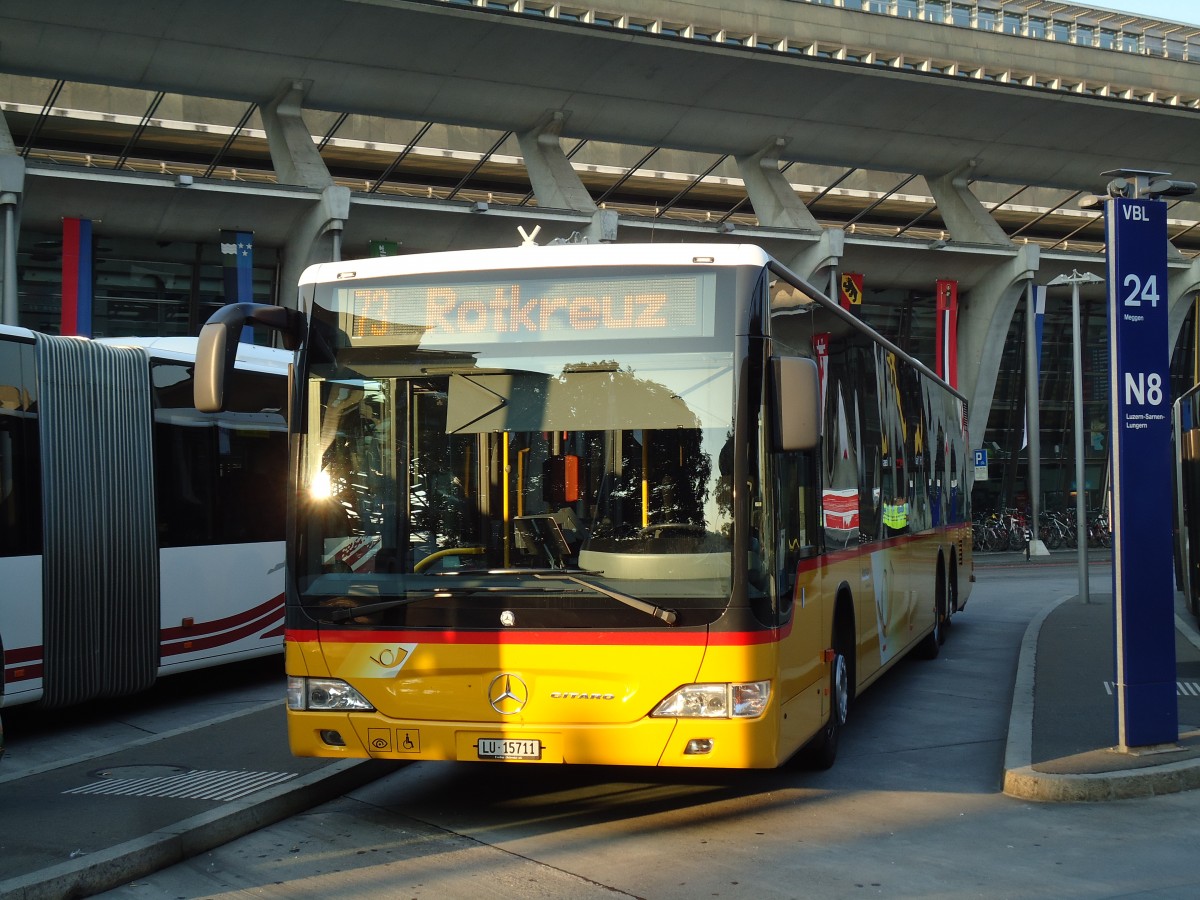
(697,743)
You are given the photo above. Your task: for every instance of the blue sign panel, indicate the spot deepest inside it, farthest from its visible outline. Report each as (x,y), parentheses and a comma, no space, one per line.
(1143,573)
(981,459)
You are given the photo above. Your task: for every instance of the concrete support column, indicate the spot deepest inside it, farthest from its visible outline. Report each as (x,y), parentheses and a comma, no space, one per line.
(315,238)
(603,227)
(774,200)
(777,205)
(12,186)
(294,156)
(8,260)
(817,261)
(966,219)
(984,321)
(554,181)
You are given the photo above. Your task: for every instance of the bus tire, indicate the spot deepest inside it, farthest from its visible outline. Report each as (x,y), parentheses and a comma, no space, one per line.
(931,644)
(951,592)
(943,609)
(945,601)
(821,751)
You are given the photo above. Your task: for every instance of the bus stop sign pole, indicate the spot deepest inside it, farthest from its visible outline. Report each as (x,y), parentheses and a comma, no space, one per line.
(1140,428)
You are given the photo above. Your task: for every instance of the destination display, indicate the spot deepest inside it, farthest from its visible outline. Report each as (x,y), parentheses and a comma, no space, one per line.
(534,309)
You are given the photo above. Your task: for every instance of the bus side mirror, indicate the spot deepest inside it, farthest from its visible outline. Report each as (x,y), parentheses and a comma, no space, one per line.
(796,402)
(216,351)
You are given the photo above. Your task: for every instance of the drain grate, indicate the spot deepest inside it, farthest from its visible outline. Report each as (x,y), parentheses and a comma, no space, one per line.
(195,784)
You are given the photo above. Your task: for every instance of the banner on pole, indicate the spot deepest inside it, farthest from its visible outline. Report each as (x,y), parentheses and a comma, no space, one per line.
(850,290)
(237,255)
(77,278)
(947,332)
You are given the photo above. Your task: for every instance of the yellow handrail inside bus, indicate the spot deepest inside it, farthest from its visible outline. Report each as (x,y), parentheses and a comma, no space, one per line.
(521,454)
(645,480)
(449,551)
(504,494)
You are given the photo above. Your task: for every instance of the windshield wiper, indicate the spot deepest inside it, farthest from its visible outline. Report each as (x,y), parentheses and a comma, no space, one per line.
(667,615)
(342,613)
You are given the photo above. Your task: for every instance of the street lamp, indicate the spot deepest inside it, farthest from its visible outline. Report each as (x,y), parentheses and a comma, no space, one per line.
(1075,279)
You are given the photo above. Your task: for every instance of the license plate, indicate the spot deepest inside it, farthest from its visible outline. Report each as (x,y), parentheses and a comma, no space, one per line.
(508,748)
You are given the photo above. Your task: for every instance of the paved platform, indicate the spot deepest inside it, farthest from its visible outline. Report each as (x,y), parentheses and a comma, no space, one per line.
(1062,734)
(115,817)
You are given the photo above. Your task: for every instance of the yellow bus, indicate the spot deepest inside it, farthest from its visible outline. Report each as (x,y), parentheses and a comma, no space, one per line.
(656,505)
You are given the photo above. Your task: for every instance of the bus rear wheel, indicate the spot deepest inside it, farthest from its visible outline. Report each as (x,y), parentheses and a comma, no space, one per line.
(931,644)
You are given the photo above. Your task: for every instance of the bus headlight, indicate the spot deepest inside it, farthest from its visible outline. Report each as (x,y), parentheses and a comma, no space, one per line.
(323,694)
(744,700)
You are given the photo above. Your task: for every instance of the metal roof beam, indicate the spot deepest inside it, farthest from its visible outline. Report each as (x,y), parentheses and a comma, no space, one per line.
(139,130)
(695,181)
(233,136)
(479,165)
(880,200)
(51,99)
(400,157)
(620,182)
(1046,214)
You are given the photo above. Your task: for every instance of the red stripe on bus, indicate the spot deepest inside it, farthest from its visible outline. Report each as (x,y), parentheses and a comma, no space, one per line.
(23,664)
(22,655)
(200,629)
(201,642)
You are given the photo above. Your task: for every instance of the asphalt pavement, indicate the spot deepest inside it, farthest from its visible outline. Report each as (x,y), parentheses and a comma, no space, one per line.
(82,826)
(77,827)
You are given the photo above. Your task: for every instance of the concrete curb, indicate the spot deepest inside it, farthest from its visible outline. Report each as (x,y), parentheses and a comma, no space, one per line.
(1170,778)
(1022,781)
(98,872)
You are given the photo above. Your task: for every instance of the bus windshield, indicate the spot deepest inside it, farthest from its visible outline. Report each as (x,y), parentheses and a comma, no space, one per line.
(444,487)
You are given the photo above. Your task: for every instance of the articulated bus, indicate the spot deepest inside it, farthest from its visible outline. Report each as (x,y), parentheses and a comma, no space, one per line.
(138,537)
(660,505)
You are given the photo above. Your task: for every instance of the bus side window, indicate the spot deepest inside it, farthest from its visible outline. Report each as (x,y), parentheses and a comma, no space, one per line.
(796,505)
(20,479)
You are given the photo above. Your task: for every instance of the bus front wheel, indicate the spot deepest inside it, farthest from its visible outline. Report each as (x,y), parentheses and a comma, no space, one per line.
(821,751)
